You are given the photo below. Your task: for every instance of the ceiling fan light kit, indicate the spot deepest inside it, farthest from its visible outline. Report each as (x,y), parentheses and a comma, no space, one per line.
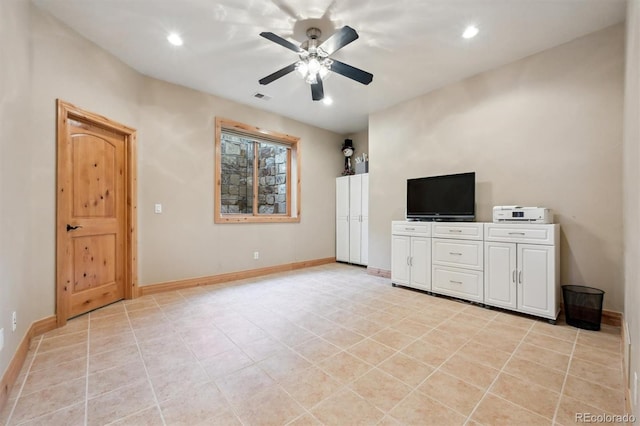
(315,63)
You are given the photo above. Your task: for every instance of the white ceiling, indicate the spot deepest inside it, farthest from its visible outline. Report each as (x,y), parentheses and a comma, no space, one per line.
(410,46)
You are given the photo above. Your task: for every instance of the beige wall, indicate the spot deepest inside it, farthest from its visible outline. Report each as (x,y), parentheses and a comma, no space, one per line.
(360,141)
(175,143)
(41,60)
(176,169)
(15,171)
(632,187)
(543,131)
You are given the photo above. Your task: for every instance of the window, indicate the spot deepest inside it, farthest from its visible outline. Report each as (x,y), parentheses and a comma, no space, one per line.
(255,172)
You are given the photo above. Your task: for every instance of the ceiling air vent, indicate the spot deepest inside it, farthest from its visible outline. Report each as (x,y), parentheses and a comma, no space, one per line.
(261,96)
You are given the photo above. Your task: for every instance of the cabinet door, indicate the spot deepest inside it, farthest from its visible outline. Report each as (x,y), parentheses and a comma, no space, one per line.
(500,275)
(355,215)
(342,219)
(364,223)
(400,252)
(536,284)
(420,263)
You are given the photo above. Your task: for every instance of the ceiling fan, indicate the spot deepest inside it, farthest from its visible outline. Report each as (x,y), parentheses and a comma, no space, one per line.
(315,62)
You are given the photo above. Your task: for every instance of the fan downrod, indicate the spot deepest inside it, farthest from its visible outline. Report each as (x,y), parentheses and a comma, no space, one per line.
(314,33)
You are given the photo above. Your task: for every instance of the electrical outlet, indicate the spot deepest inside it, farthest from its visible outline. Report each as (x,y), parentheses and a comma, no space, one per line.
(14,321)
(1,339)
(256,255)
(157,209)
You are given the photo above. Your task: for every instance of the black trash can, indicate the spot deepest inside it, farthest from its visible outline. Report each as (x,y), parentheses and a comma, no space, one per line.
(582,306)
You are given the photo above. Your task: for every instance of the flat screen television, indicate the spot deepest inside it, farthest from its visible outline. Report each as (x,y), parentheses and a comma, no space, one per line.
(447,197)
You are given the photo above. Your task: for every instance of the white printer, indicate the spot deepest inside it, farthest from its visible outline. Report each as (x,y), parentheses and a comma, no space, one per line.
(516,214)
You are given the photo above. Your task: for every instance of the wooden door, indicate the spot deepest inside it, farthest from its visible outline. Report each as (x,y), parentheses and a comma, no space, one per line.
(94,251)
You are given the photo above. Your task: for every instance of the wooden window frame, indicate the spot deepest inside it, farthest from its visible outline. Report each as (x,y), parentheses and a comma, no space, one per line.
(293,204)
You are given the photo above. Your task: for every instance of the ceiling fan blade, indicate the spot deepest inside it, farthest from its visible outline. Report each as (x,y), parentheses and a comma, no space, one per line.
(317,90)
(282,42)
(351,72)
(276,75)
(339,39)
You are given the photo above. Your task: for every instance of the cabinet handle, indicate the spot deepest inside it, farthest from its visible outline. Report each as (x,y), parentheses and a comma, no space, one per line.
(516,233)
(411,261)
(455,282)
(455,230)
(409,229)
(408,264)
(513,276)
(455,253)
(520,277)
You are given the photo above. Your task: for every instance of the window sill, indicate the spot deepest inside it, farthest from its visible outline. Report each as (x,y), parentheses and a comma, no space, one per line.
(230,218)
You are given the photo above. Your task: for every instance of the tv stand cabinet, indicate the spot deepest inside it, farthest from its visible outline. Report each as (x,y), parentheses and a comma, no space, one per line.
(511,266)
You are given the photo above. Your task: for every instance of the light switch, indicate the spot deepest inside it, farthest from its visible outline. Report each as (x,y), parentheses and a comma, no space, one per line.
(1,339)
(158,208)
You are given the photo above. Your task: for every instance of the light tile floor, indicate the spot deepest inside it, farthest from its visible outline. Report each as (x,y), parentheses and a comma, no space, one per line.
(326,345)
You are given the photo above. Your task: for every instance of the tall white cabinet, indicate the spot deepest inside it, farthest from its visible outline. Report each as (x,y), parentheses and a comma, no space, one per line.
(352,219)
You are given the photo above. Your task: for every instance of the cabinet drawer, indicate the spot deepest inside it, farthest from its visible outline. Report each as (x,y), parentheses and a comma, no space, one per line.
(458,253)
(421,229)
(532,234)
(466,284)
(460,230)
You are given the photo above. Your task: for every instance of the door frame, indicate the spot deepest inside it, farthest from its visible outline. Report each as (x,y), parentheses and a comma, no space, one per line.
(66,111)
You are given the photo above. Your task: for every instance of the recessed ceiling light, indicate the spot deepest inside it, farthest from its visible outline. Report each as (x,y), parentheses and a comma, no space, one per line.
(175,39)
(327,100)
(470,32)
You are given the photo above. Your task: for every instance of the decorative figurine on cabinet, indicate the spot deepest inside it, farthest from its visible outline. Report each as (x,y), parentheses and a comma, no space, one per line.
(347,150)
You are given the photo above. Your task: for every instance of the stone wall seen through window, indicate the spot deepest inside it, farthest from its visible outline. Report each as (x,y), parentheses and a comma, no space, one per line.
(237,166)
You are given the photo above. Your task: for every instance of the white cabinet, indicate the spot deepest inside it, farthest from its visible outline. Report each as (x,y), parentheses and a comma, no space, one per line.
(411,254)
(522,268)
(458,260)
(458,230)
(352,219)
(463,283)
(342,219)
(500,271)
(510,266)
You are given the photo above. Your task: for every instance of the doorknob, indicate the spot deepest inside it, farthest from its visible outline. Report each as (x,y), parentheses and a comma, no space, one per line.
(71,228)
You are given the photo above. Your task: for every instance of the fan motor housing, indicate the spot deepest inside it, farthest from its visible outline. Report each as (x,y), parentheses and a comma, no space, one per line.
(314,41)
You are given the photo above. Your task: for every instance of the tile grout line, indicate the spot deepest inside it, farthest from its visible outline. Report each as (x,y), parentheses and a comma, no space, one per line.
(292,348)
(243,308)
(436,369)
(399,351)
(146,371)
(211,379)
(498,375)
(24,381)
(343,386)
(566,376)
